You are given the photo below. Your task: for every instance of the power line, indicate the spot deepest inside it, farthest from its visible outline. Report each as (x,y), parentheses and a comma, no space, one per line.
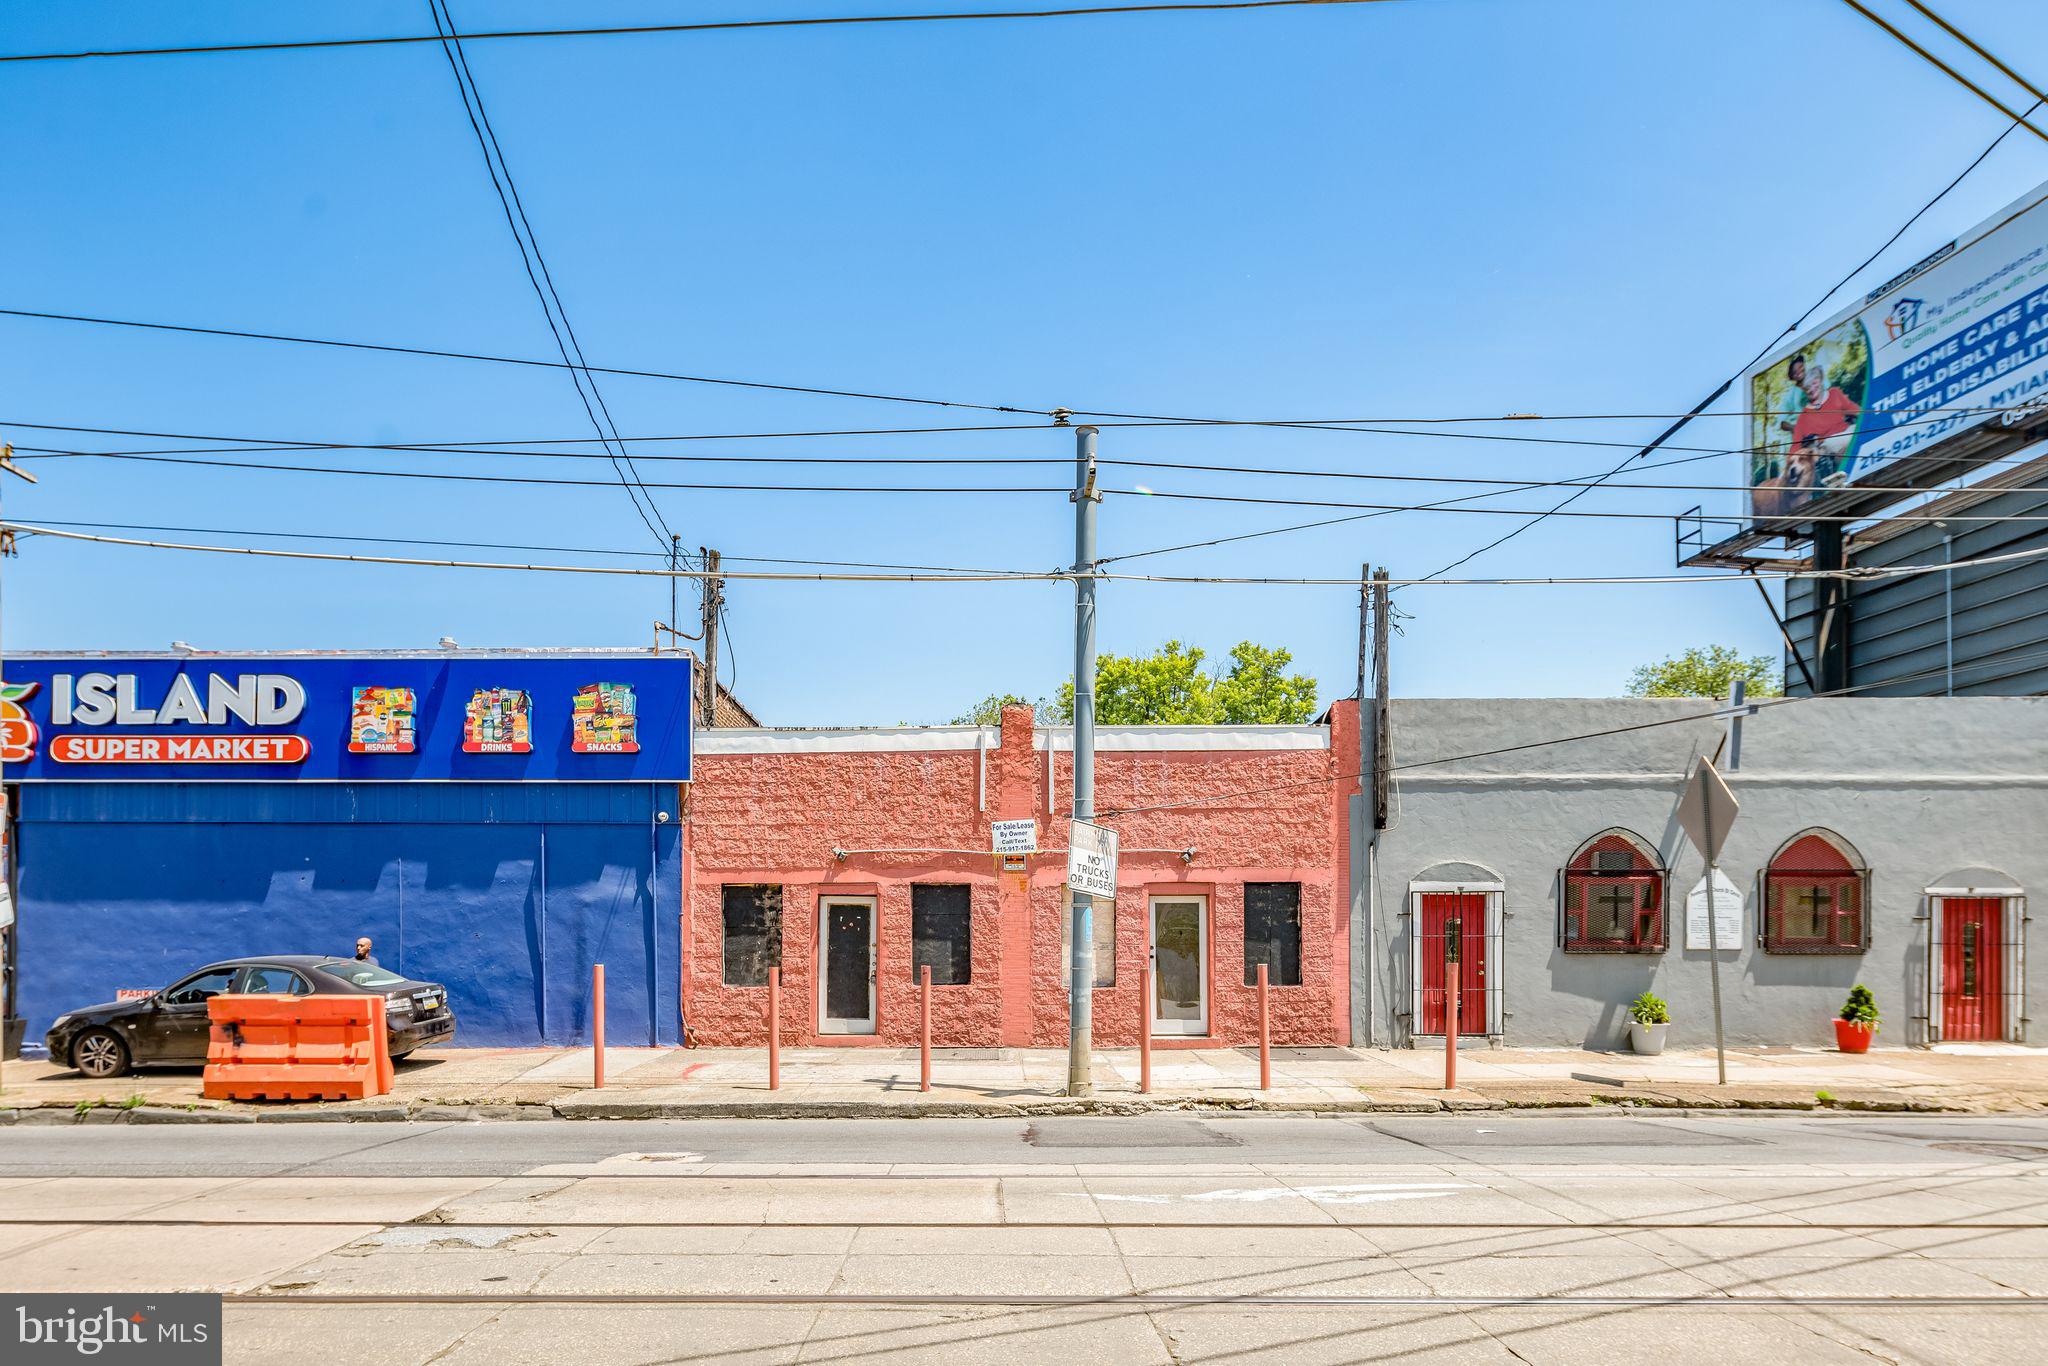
(530,256)
(500,545)
(443,354)
(1447,505)
(822,21)
(1958,77)
(1791,328)
(1035,576)
(1981,51)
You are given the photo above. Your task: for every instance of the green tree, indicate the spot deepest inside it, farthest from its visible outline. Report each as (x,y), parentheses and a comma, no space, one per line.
(1706,672)
(1169,687)
(989,711)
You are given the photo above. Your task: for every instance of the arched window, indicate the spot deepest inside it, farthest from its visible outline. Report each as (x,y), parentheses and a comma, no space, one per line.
(1816,897)
(1614,896)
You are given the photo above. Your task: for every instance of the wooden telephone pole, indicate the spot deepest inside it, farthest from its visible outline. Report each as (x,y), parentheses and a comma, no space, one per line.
(713,605)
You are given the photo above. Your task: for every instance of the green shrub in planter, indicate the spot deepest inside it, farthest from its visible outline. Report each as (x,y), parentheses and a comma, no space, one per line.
(1861,1007)
(1649,1009)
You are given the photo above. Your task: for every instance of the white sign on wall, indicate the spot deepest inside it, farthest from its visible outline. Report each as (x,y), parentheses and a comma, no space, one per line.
(1091,859)
(1014,837)
(1727,914)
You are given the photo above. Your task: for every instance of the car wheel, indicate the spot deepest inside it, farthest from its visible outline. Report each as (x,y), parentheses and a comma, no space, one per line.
(100,1053)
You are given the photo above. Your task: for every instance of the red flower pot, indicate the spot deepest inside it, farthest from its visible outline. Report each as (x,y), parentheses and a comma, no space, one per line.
(1853,1036)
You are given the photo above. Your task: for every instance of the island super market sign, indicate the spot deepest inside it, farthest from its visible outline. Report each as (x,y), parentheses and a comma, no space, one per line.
(1955,343)
(476,717)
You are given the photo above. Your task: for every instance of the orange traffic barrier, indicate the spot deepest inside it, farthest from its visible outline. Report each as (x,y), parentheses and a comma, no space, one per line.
(297,1048)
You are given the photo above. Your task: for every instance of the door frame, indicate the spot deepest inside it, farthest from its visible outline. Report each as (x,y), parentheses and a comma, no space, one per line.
(827,900)
(1492,891)
(1180,1029)
(2012,1024)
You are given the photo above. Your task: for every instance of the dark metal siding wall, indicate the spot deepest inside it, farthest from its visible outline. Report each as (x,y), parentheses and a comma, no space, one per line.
(1897,637)
(506,893)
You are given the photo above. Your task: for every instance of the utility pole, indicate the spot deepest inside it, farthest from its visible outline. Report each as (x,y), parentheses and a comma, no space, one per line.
(9,929)
(1081,986)
(1382,740)
(675,556)
(714,603)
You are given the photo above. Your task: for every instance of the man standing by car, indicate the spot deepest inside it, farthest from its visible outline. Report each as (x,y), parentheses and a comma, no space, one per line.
(363,951)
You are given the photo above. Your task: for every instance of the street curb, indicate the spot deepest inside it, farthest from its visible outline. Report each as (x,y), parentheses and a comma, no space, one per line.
(588,1106)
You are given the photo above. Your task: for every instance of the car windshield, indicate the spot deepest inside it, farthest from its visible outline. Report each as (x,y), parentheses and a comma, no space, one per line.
(360,974)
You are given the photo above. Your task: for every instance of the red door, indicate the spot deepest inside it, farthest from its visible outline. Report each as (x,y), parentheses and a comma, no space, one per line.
(1972,967)
(1469,910)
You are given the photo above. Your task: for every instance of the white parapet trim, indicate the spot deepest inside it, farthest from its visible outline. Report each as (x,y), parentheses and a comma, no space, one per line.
(1127,739)
(847,740)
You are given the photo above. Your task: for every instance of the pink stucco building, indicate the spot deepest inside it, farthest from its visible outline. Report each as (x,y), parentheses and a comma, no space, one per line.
(852,857)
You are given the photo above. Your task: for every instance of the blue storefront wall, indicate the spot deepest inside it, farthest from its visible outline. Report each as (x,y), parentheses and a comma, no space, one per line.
(506,893)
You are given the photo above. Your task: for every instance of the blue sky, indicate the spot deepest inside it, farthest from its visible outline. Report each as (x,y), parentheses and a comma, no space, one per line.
(1441,207)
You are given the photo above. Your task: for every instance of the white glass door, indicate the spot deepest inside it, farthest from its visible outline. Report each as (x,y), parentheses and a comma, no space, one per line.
(1180,957)
(846,965)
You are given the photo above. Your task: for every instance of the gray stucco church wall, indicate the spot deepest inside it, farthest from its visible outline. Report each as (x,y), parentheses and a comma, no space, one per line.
(1931,792)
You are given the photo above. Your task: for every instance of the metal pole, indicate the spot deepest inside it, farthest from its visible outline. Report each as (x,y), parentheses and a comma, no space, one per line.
(924,1027)
(1713,931)
(775,1029)
(1453,932)
(1145,989)
(1081,985)
(1265,1036)
(597,1026)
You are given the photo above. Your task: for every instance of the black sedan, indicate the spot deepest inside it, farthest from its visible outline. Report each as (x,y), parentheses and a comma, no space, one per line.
(171,1026)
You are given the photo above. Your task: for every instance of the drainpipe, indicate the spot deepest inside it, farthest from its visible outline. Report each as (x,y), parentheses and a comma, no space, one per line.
(1948,606)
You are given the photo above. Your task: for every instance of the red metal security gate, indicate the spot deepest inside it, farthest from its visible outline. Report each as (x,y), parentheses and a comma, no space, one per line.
(1973,967)
(1438,909)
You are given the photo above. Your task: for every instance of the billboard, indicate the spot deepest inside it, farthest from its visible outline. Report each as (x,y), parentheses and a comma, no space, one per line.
(481,716)
(1958,342)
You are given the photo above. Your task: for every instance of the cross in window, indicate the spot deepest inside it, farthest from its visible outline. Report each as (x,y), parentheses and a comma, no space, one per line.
(1819,904)
(1614,902)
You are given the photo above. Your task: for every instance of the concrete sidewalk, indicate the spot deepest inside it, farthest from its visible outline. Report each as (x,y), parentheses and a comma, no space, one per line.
(491,1083)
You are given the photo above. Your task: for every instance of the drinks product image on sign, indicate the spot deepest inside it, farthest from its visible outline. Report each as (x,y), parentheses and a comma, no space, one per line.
(499,721)
(1880,394)
(382,721)
(601,720)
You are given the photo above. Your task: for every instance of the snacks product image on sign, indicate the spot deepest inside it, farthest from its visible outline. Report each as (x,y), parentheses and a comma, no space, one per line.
(601,720)
(498,721)
(382,721)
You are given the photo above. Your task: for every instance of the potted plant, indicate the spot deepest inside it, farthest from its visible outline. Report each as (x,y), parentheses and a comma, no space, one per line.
(1858,1022)
(1648,1018)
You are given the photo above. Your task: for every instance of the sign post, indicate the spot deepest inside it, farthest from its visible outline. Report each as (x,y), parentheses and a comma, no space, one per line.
(1453,929)
(1706,810)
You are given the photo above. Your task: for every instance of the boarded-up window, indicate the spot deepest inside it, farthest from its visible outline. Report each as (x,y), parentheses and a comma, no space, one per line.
(753,933)
(1101,919)
(1272,932)
(941,930)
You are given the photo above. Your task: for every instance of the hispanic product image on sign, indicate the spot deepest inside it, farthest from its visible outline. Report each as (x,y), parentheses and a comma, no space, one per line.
(499,721)
(602,720)
(381,721)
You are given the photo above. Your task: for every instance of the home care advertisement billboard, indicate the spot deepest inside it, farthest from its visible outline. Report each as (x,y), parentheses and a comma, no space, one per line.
(1958,342)
(473,716)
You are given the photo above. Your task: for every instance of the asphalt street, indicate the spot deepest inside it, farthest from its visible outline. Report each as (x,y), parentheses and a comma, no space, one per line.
(1168,1238)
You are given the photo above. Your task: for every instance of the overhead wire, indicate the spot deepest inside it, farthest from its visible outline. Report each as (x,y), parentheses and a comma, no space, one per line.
(530,255)
(1958,77)
(719,26)
(1789,330)
(1033,576)
(498,545)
